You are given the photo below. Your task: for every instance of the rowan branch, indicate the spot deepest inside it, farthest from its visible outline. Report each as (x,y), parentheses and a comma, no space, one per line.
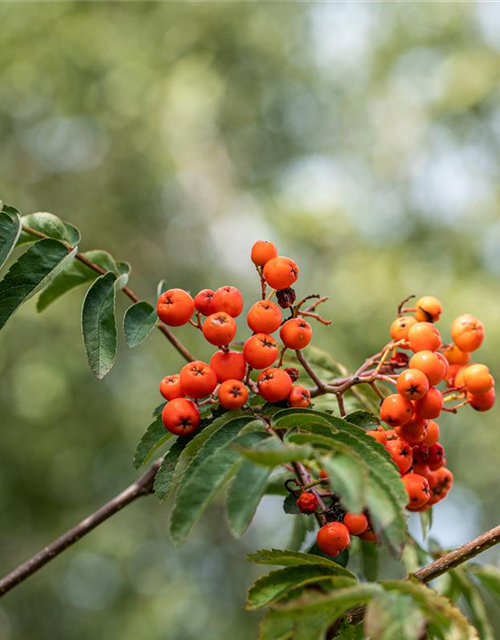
(126,290)
(141,487)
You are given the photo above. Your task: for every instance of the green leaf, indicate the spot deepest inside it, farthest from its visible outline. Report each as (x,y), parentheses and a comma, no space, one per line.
(275,585)
(203,483)
(348,475)
(32,271)
(425,522)
(300,418)
(272,452)
(99,324)
(475,603)
(369,561)
(336,602)
(164,479)
(9,209)
(275,627)
(10,228)
(46,223)
(245,493)
(73,235)
(489,577)
(74,275)
(391,616)
(290,505)
(155,436)
(140,319)
(287,558)
(363,419)
(298,533)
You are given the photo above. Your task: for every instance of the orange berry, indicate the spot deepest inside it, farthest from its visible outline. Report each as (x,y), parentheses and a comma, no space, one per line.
(431,405)
(170,387)
(181,416)
(432,435)
(228,365)
(401,454)
(380,435)
(197,379)
(396,410)
(299,396)
(229,300)
(440,483)
(357,523)
(264,317)
(260,351)
(482,401)
(369,535)
(417,488)
(429,363)
(455,356)
(413,431)
(175,307)
(478,379)
(274,384)
(307,502)
(262,252)
(281,273)
(296,333)
(412,384)
(429,309)
(422,469)
(333,538)
(233,394)
(424,336)
(400,327)
(219,328)
(452,373)
(203,302)
(460,377)
(467,332)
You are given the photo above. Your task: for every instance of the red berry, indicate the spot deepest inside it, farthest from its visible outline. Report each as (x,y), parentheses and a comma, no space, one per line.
(333,538)
(264,317)
(274,384)
(307,502)
(396,410)
(482,401)
(299,396)
(170,387)
(380,434)
(219,329)
(262,252)
(181,416)
(229,300)
(197,379)
(175,307)
(417,489)
(280,272)
(203,302)
(296,333)
(260,351)
(357,523)
(233,394)
(431,405)
(436,456)
(228,365)
(412,384)
(401,454)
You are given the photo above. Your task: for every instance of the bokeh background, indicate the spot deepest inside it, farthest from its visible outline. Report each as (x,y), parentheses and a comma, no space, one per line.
(363,138)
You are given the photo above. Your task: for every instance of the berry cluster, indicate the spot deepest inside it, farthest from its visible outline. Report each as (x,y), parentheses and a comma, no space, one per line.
(226,379)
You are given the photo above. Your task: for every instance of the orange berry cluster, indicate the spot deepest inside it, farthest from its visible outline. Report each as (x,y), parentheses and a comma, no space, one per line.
(226,378)
(413,440)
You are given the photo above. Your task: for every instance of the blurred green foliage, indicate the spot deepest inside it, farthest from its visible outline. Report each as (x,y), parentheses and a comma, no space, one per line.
(362,138)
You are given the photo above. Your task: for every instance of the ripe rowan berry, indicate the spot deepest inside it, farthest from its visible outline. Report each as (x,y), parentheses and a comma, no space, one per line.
(228,365)
(420,453)
(459,380)
(380,435)
(280,273)
(262,252)
(400,327)
(307,502)
(229,300)
(429,309)
(170,387)
(396,410)
(431,364)
(264,317)
(274,384)
(432,434)
(455,356)
(203,302)
(431,405)
(299,396)
(233,394)
(369,535)
(440,483)
(357,523)
(417,488)
(422,469)
(467,332)
(413,431)
(436,456)
(197,379)
(181,416)
(412,384)
(401,454)
(424,336)
(296,334)
(175,307)
(260,351)
(333,538)
(478,379)
(452,373)
(482,401)
(219,329)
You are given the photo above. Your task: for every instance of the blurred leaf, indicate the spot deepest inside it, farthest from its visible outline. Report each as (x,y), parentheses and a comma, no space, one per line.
(300,418)
(245,493)
(348,475)
(320,358)
(363,419)
(157,411)
(298,533)
(46,223)
(99,324)
(489,576)
(369,561)
(286,558)
(9,210)
(272,452)
(475,603)
(275,627)
(164,479)
(32,271)
(155,436)
(336,602)
(139,321)
(392,615)
(425,522)
(276,484)
(290,505)
(161,288)
(73,235)
(10,228)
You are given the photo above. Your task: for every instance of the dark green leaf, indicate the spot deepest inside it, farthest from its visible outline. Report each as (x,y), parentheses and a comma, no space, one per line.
(285,558)
(290,505)
(10,228)
(369,561)
(157,411)
(475,603)
(73,235)
(46,223)
(33,271)
(155,436)
(363,419)
(139,321)
(489,576)
(9,209)
(272,452)
(298,533)
(392,616)
(164,480)
(336,602)
(342,559)
(301,418)
(245,493)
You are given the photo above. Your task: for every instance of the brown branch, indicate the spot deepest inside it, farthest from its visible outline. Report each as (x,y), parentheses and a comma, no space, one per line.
(126,290)
(141,487)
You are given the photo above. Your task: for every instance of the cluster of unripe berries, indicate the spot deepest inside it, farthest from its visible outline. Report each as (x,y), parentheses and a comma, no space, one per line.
(226,378)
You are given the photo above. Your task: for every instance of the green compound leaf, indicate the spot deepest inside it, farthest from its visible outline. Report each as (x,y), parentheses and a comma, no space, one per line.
(244,495)
(286,558)
(10,228)
(393,615)
(32,271)
(46,223)
(140,319)
(155,436)
(272,452)
(363,419)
